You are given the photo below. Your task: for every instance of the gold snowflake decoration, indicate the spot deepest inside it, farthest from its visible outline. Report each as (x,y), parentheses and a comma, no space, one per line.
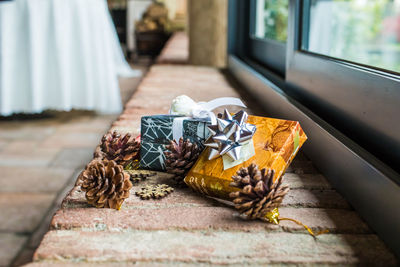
(139,175)
(154,191)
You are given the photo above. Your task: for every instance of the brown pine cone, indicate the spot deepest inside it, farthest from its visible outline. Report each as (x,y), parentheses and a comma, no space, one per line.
(106,184)
(122,149)
(98,153)
(180,157)
(258,194)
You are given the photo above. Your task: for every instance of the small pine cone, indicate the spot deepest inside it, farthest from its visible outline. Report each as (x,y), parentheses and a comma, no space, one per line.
(258,194)
(106,184)
(180,158)
(122,149)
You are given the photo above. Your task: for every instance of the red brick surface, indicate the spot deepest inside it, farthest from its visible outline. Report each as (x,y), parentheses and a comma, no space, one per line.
(213,247)
(189,229)
(176,50)
(202,218)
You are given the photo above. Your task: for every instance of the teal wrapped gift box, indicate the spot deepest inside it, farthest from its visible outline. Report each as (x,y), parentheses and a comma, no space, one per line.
(157,131)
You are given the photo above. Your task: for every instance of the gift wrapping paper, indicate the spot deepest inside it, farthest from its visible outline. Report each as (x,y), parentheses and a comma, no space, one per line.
(276,143)
(156,132)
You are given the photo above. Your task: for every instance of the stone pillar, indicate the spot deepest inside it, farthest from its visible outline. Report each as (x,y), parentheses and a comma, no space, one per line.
(208,25)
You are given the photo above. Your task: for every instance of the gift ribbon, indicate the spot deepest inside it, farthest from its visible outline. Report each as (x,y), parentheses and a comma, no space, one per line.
(203,110)
(273,217)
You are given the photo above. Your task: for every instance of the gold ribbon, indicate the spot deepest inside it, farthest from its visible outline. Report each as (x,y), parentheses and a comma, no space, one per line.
(133,165)
(273,217)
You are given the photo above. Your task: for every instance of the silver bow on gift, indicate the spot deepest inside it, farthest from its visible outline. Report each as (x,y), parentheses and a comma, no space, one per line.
(229,135)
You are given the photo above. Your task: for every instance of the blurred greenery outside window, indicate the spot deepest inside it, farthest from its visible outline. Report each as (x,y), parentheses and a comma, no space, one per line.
(361,31)
(271,19)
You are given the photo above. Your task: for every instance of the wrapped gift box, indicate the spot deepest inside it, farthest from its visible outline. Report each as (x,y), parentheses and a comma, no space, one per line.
(156,132)
(276,143)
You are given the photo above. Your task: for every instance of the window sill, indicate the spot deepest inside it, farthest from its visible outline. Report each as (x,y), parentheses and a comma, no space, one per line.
(367,183)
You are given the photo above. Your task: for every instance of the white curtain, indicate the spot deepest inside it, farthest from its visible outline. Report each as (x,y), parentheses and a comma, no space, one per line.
(59,54)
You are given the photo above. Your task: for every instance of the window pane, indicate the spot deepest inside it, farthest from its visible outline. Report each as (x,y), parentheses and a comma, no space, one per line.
(271,19)
(362,31)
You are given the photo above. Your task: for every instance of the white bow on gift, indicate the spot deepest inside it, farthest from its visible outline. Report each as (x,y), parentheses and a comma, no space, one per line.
(185,106)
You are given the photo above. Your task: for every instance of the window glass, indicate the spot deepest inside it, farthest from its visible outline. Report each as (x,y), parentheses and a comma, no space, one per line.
(362,31)
(271,19)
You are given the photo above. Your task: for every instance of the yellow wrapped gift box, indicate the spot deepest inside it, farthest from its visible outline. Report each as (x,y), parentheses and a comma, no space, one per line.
(276,143)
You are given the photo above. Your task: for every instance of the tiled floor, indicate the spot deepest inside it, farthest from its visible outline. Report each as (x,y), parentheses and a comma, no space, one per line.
(40,157)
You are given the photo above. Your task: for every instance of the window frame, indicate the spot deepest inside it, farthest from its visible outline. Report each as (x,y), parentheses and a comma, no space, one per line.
(307,94)
(330,87)
(322,83)
(304,39)
(269,52)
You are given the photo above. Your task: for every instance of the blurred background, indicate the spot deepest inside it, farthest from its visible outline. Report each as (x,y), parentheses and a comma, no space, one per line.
(67,67)
(151,23)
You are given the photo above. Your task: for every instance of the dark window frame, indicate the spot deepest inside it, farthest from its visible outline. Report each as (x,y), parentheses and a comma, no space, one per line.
(368,183)
(267,52)
(343,93)
(270,53)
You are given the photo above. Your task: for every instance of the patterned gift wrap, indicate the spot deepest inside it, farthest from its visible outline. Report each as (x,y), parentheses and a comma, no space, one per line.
(276,143)
(156,132)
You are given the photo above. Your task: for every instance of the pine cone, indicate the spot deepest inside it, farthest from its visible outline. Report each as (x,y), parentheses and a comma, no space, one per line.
(258,194)
(106,184)
(122,149)
(180,157)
